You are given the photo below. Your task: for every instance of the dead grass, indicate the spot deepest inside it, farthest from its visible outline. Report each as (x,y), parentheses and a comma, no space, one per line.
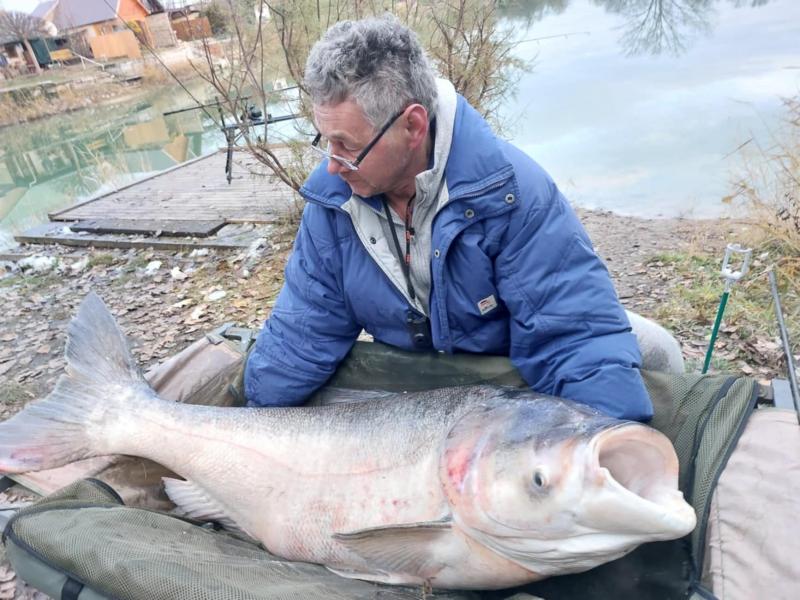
(768,187)
(13,396)
(21,106)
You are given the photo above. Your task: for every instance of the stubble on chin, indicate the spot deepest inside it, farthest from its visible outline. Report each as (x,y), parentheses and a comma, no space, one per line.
(362,188)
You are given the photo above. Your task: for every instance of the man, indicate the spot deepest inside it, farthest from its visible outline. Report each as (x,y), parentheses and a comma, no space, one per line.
(430,233)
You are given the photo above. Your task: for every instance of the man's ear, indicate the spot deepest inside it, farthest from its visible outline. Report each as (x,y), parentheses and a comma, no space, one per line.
(415,125)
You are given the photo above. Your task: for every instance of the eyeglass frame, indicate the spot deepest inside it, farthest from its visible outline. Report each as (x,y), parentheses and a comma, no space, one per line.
(352,165)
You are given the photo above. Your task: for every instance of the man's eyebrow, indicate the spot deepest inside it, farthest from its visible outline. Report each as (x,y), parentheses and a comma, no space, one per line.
(340,136)
(336,135)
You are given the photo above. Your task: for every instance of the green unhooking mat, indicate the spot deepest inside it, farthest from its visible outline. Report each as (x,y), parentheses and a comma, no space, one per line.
(83,543)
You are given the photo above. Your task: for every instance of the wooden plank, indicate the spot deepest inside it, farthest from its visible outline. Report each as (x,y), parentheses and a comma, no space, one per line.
(142,226)
(14,256)
(51,233)
(196,190)
(54,216)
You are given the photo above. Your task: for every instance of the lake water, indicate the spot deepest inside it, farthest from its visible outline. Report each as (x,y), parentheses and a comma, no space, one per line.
(638,106)
(52,163)
(634,106)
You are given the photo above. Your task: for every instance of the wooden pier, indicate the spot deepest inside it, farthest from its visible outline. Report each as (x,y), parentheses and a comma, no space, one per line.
(190,205)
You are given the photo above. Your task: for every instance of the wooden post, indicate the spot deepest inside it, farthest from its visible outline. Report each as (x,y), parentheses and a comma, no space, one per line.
(32,55)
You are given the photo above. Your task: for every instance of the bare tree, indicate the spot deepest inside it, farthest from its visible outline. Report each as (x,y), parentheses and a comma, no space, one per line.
(474,52)
(269,41)
(242,71)
(464,38)
(18,26)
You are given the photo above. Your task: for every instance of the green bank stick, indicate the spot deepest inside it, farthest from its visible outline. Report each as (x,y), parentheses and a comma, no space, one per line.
(731,276)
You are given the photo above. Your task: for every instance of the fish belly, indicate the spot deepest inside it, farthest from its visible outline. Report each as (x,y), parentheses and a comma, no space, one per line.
(293,479)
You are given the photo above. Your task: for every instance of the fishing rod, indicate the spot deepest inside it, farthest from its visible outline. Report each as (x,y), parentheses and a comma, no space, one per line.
(232,132)
(787,349)
(731,276)
(217,102)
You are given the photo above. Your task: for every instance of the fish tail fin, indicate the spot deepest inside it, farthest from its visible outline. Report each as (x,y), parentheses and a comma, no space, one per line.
(100,380)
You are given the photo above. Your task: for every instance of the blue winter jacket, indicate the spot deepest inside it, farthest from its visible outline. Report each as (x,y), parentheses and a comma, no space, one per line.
(506,234)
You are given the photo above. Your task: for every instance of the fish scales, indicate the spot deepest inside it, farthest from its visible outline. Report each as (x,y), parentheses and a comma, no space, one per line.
(360,466)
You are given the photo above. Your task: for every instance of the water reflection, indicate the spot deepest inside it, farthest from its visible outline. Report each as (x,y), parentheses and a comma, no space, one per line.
(656,26)
(650,27)
(653,135)
(48,165)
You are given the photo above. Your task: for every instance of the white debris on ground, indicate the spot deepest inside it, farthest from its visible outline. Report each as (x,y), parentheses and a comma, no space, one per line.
(152,267)
(176,273)
(38,263)
(79,265)
(216,295)
(252,256)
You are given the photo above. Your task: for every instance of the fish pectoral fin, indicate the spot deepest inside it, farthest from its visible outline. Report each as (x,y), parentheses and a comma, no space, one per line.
(377,576)
(193,502)
(413,549)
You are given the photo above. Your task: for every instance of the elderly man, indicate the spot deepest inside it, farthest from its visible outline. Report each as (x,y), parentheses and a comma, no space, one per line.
(432,234)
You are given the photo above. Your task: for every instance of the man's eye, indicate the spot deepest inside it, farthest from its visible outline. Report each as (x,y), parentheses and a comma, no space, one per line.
(335,145)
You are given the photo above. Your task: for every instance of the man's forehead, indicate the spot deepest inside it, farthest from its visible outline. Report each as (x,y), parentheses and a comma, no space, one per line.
(345,119)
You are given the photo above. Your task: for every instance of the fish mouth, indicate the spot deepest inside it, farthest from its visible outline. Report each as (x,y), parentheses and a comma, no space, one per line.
(634,469)
(634,458)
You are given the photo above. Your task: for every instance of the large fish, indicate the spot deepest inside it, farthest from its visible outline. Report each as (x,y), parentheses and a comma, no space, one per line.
(474,487)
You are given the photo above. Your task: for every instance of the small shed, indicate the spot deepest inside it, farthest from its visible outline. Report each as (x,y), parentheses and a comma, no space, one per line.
(85,20)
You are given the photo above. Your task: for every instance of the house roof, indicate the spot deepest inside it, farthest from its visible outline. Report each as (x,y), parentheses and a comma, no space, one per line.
(7,39)
(43,8)
(68,14)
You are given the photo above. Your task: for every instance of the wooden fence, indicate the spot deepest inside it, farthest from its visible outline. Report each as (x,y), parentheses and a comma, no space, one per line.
(116,45)
(192,29)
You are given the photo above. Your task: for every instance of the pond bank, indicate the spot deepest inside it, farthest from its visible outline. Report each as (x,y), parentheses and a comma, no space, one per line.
(191,293)
(45,98)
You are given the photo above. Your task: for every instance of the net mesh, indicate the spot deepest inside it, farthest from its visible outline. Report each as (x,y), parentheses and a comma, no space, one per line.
(135,553)
(701,415)
(125,552)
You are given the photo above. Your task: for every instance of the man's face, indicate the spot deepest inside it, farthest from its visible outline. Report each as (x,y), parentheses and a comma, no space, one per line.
(348,132)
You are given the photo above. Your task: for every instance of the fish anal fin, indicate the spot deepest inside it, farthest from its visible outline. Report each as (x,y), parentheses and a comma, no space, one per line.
(193,502)
(410,554)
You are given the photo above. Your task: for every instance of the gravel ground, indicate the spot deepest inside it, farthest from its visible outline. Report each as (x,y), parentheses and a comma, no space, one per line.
(165,300)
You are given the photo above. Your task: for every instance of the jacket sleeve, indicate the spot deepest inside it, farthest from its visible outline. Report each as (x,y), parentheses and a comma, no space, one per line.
(569,334)
(310,329)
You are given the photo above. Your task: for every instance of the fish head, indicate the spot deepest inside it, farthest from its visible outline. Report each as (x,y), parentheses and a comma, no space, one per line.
(557,487)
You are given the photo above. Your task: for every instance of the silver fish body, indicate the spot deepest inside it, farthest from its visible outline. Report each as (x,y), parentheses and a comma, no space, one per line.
(470,488)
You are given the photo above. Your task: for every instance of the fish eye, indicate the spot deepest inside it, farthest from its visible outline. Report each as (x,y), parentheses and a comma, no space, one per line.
(539,479)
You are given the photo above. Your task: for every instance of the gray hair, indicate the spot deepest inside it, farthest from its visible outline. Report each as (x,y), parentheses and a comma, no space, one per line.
(377,62)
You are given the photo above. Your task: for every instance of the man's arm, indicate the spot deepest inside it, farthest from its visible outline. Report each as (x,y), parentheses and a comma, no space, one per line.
(569,334)
(310,329)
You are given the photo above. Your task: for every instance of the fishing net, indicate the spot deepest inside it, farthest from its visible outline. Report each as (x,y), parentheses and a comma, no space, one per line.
(83,534)
(86,535)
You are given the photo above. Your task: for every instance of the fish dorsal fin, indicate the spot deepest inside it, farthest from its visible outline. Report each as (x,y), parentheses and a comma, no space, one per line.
(409,548)
(193,502)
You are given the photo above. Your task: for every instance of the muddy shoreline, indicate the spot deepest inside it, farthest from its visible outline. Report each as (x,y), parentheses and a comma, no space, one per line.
(165,300)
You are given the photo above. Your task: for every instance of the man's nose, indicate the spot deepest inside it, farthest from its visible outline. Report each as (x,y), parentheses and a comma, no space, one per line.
(335,167)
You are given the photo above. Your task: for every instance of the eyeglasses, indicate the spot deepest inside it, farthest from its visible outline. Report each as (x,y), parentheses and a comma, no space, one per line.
(346,162)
